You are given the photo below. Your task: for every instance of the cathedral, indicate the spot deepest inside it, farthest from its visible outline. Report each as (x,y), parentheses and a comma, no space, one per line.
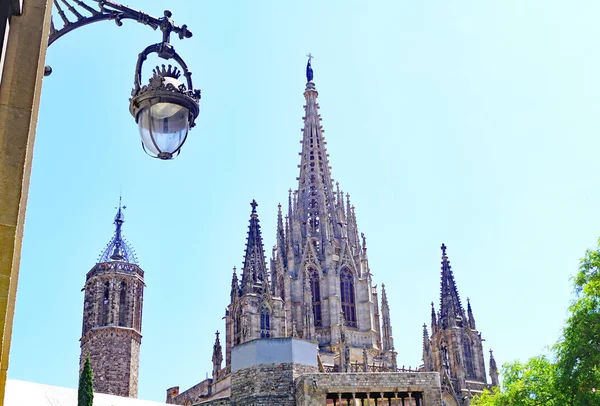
(307,326)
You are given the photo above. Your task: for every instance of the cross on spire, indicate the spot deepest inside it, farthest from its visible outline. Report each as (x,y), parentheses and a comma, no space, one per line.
(309,56)
(443,248)
(253,204)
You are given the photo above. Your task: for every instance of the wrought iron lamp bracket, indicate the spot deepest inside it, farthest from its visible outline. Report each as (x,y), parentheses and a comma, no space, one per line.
(109,10)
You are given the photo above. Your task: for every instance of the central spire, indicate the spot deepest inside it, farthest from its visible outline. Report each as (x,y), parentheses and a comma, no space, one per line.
(315,202)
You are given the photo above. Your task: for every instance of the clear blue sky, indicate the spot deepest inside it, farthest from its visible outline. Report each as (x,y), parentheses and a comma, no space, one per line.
(475,124)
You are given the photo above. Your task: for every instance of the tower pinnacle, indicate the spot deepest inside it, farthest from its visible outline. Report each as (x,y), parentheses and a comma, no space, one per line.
(118,249)
(255,267)
(451,310)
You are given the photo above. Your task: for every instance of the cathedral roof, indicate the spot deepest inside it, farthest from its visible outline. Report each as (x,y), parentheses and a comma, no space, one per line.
(118,249)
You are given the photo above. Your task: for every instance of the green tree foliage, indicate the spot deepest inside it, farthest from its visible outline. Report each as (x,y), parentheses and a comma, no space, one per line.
(527,384)
(85,393)
(573,378)
(578,353)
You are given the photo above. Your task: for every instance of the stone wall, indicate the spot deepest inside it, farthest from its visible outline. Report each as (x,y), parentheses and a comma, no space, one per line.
(115,358)
(313,389)
(267,384)
(193,394)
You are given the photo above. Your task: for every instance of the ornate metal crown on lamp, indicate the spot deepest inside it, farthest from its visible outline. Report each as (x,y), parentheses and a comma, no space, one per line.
(165,109)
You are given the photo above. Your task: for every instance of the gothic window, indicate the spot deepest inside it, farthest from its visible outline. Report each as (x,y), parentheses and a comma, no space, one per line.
(104,307)
(347,296)
(123,305)
(315,290)
(469,359)
(237,327)
(265,322)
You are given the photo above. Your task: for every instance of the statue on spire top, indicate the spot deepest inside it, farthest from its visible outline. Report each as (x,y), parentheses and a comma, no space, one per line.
(309,71)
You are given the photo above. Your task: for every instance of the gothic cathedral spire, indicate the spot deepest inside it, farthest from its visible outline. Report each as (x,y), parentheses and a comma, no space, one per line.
(255,310)
(254,273)
(318,252)
(451,310)
(455,346)
(315,201)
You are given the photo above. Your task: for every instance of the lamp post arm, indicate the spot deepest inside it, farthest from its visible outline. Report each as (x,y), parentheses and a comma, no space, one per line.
(109,10)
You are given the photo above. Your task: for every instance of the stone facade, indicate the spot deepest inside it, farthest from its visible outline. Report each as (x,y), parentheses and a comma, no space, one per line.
(319,288)
(112,318)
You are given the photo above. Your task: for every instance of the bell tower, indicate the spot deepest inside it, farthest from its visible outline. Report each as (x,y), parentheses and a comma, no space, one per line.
(112,317)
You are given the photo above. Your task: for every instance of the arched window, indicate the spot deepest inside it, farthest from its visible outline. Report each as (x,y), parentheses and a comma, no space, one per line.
(265,322)
(104,307)
(315,290)
(123,305)
(347,296)
(469,359)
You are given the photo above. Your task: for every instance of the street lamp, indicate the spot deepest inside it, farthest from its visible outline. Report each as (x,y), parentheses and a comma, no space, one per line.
(165,109)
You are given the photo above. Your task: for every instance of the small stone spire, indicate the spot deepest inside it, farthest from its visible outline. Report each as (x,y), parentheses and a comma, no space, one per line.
(309,319)
(217,357)
(254,273)
(472,325)
(427,359)
(433,319)
(451,311)
(235,285)
(280,238)
(344,345)
(388,339)
(493,370)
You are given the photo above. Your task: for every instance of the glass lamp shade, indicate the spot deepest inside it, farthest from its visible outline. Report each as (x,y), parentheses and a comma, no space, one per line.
(163,128)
